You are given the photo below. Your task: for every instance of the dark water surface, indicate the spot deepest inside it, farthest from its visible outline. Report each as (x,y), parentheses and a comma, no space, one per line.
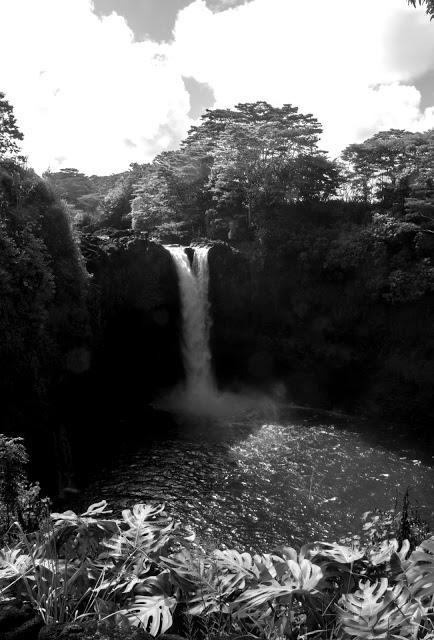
(256,482)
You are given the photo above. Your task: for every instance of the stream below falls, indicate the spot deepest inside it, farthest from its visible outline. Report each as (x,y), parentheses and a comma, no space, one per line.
(255,482)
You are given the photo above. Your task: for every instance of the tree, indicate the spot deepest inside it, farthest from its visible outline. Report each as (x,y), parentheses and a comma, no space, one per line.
(235,163)
(172,189)
(384,167)
(428,4)
(69,183)
(116,206)
(154,203)
(10,135)
(296,131)
(266,156)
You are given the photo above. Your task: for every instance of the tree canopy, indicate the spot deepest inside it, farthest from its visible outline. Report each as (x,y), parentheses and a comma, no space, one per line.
(237,163)
(10,135)
(69,183)
(388,167)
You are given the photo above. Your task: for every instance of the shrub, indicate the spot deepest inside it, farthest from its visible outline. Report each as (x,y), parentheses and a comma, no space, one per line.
(19,500)
(143,571)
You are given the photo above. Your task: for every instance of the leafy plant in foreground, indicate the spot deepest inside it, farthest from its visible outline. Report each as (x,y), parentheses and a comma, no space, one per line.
(378,611)
(141,571)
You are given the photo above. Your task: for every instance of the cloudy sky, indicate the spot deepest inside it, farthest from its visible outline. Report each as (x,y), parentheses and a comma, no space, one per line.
(97,85)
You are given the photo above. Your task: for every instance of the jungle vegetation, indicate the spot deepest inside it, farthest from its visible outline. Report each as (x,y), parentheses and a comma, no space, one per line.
(143,570)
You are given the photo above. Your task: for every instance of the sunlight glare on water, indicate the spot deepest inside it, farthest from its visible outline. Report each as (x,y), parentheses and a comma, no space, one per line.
(254,484)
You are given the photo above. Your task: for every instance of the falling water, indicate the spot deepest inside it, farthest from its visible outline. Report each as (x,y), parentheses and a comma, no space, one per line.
(193,285)
(199,395)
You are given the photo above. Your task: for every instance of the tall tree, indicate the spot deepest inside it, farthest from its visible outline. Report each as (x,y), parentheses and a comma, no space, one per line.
(383,167)
(10,135)
(296,128)
(266,156)
(151,204)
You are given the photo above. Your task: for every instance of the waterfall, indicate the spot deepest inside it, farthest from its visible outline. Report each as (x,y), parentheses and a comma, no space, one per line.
(199,395)
(193,286)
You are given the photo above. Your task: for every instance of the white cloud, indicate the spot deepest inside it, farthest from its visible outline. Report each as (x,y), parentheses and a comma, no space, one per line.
(89,96)
(83,90)
(340,60)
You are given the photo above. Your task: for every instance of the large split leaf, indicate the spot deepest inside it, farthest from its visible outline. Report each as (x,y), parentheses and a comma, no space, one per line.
(13,564)
(300,578)
(207,582)
(189,571)
(376,611)
(153,608)
(388,549)
(333,551)
(234,569)
(79,536)
(420,572)
(153,613)
(148,527)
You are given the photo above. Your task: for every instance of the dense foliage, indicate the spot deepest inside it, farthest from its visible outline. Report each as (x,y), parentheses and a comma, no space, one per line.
(391,166)
(20,501)
(343,290)
(10,135)
(42,288)
(42,284)
(95,202)
(144,571)
(344,301)
(234,166)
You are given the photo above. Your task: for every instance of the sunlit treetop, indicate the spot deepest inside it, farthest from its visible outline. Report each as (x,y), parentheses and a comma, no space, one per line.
(260,115)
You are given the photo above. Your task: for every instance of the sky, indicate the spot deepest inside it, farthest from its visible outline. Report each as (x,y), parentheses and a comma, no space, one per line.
(98,85)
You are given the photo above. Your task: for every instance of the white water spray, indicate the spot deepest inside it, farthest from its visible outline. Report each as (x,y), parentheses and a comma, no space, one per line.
(193,287)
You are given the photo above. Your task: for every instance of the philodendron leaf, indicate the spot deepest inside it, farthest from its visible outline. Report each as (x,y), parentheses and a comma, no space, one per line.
(153,607)
(301,578)
(13,563)
(334,551)
(420,572)
(234,569)
(188,571)
(376,612)
(152,612)
(148,526)
(388,549)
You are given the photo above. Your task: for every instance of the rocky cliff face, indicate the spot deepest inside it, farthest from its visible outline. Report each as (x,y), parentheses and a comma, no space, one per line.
(135,315)
(129,355)
(230,300)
